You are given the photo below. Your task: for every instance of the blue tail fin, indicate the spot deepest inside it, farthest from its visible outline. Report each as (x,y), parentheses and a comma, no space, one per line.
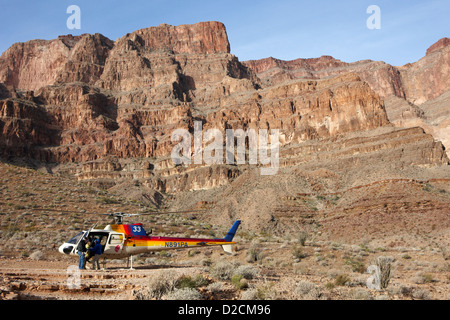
(230,235)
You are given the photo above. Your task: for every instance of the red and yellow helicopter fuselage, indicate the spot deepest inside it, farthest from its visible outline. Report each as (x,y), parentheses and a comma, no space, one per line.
(124,240)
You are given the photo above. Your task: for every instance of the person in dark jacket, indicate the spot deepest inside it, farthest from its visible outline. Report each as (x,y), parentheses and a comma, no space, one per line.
(81,248)
(97,252)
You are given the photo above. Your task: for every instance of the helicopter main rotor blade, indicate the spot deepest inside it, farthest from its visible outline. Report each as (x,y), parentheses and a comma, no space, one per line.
(182,211)
(112,214)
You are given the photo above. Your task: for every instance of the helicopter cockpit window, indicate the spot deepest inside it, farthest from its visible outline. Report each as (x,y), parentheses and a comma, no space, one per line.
(75,239)
(116,239)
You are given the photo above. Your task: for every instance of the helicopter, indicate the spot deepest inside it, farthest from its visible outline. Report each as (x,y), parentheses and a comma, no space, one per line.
(121,240)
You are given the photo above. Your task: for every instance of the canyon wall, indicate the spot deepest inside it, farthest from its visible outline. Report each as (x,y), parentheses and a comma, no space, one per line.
(104,111)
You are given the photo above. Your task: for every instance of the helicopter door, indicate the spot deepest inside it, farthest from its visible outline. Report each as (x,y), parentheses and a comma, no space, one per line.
(70,247)
(115,243)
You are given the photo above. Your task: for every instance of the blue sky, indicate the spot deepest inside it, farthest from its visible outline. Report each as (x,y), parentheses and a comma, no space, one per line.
(284,29)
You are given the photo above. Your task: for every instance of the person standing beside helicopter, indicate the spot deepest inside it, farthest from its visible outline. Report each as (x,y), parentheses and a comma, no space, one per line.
(88,254)
(97,252)
(81,248)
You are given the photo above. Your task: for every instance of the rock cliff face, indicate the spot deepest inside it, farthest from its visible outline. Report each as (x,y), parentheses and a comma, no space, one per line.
(38,63)
(105,111)
(428,78)
(383,78)
(407,90)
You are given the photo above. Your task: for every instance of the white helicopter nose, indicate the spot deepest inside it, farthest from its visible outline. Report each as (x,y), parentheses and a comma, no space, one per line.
(66,248)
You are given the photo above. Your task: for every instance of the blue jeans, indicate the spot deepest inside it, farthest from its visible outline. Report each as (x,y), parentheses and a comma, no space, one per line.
(80,260)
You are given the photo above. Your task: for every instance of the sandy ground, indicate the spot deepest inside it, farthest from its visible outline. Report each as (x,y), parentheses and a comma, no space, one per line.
(28,279)
(416,274)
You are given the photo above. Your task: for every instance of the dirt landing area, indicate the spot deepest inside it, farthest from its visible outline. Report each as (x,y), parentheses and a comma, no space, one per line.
(31,280)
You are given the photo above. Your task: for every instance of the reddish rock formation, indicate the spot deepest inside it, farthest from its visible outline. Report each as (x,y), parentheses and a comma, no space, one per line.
(429,77)
(442,43)
(38,63)
(383,78)
(405,89)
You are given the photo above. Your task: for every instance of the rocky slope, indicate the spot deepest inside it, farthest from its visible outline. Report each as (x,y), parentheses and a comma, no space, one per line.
(105,111)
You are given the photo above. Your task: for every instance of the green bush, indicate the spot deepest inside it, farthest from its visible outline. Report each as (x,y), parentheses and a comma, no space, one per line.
(303,235)
(428,278)
(297,252)
(341,280)
(186,281)
(330,285)
(107,200)
(357,266)
(239,282)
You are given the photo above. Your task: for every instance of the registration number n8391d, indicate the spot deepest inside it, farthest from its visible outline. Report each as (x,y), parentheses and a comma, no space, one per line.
(175,244)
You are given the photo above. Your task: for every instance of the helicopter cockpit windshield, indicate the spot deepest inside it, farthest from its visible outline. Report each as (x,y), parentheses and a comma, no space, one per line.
(75,239)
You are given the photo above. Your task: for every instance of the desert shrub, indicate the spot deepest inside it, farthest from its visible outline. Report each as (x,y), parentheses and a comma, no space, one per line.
(215,287)
(302,236)
(107,200)
(247,272)
(421,278)
(11,230)
(307,290)
(254,254)
(422,295)
(356,264)
(162,284)
(428,278)
(333,273)
(251,294)
(187,281)
(341,280)
(37,255)
(445,252)
(239,282)
(405,291)
(330,285)
(183,294)
(207,262)
(304,287)
(143,294)
(266,292)
(223,270)
(298,253)
(360,294)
